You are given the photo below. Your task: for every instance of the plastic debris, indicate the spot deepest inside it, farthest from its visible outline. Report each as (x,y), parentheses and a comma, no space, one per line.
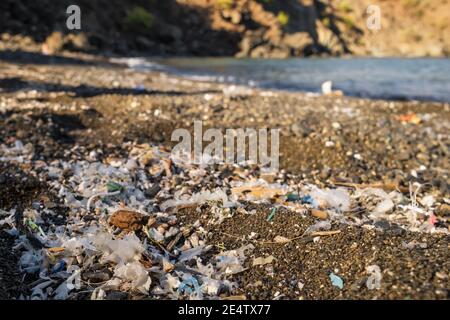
(34,227)
(113,187)
(272,214)
(374,279)
(198,198)
(231,262)
(336,281)
(293,197)
(281,239)
(263,260)
(189,286)
(134,274)
(409,118)
(323,215)
(258,192)
(321,225)
(327,89)
(119,251)
(122,228)
(309,200)
(338,199)
(428,201)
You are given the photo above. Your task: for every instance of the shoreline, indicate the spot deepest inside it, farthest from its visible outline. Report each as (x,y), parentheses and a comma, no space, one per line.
(176,67)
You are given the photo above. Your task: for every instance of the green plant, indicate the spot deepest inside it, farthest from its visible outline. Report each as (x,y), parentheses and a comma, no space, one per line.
(138,20)
(349,23)
(345,6)
(283,18)
(225,4)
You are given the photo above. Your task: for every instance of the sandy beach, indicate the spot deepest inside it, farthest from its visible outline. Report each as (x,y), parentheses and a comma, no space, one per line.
(59,115)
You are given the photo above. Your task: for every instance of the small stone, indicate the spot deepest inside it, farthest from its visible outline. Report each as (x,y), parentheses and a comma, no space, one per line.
(262,261)
(167,266)
(281,239)
(96,276)
(152,191)
(126,220)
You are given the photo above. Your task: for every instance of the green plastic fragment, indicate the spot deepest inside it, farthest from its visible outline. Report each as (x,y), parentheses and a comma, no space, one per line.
(293,197)
(272,214)
(113,186)
(32,225)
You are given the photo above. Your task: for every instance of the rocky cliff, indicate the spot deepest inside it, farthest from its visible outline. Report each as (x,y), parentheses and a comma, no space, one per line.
(243,28)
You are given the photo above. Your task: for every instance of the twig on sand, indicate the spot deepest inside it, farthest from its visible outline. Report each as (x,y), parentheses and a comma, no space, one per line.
(388,186)
(324,233)
(304,238)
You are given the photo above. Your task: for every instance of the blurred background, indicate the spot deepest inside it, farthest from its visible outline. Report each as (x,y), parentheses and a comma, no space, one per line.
(253,42)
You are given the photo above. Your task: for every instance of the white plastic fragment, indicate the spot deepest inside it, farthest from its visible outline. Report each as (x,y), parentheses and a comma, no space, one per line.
(263,260)
(134,274)
(338,199)
(374,279)
(231,262)
(321,225)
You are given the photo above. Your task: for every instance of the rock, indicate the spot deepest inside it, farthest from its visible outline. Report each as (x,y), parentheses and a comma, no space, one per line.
(280,53)
(152,191)
(53,44)
(234,16)
(117,295)
(383,224)
(262,51)
(127,220)
(96,276)
(273,36)
(249,42)
(281,239)
(298,40)
(262,261)
(76,41)
(169,33)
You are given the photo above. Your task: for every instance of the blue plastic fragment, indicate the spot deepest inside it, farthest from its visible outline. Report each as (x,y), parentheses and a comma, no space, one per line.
(309,200)
(60,266)
(336,281)
(189,285)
